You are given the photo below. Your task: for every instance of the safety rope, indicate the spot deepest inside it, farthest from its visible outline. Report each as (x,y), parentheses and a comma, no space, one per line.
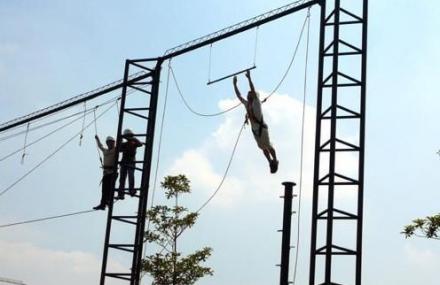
(226,171)
(192,110)
(54,121)
(5,190)
(292,59)
(179,91)
(298,230)
(96,135)
(219,187)
(56,130)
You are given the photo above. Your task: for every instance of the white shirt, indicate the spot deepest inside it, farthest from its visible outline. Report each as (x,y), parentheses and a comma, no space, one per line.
(255,107)
(108,160)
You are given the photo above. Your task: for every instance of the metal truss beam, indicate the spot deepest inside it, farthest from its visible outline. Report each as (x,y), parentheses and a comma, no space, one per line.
(239,28)
(340,105)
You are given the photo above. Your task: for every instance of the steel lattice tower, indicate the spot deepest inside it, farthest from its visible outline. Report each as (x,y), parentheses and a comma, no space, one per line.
(338,186)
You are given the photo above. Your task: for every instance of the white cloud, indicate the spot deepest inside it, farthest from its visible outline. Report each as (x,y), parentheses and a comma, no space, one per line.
(249,175)
(40,266)
(422,259)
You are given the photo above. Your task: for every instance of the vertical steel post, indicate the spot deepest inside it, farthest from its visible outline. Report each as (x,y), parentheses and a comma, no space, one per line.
(317,144)
(360,212)
(287,222)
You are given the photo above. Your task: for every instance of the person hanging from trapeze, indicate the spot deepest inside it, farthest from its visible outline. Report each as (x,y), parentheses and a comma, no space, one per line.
(258,126)
(108,176)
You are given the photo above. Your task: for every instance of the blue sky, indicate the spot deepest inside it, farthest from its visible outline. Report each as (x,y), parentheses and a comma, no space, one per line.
(53,50)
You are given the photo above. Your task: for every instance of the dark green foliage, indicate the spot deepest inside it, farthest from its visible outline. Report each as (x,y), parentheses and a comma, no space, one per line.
(427,228)
(169,267)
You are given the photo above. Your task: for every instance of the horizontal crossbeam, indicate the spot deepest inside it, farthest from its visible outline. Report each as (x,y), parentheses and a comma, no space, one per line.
(239,28)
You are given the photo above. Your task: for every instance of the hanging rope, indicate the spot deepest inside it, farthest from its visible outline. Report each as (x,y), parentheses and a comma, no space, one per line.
(298,230)
(210,63)
(256,45)
(25,143)
(96,134)
(2,192)
(179,91)
(189,107)
(83,123)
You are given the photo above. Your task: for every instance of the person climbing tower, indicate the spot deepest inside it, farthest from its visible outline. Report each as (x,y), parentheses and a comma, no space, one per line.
(128,164)
(108,177)
(259,127)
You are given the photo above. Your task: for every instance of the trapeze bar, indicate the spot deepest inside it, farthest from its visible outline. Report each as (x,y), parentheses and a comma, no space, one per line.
(230,75)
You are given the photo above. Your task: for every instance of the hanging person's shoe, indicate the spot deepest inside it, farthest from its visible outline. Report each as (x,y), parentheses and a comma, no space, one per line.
(274,166)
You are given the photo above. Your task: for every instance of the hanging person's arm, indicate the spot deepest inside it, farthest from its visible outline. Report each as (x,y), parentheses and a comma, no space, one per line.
(98,142)
(251,84)
(237,92)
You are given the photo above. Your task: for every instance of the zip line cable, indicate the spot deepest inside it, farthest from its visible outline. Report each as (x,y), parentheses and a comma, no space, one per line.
(188,106)
(295,266)
(2,192)
(46,218)
(56,121)
(57,129)
(42,138)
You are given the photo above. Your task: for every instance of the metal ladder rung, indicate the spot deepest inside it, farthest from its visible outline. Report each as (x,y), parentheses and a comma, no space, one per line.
(344,53)
(122,247)
(344,23)
(125,219)
(342,85)
(119,275)
(342,117)
(136,114)
(137,109)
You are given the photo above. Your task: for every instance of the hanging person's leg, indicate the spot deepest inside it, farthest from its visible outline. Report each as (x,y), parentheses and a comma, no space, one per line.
(267,155)
(274,163)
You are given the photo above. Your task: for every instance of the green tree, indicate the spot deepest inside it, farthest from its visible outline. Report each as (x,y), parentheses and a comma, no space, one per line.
(426,228)
(168,266)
